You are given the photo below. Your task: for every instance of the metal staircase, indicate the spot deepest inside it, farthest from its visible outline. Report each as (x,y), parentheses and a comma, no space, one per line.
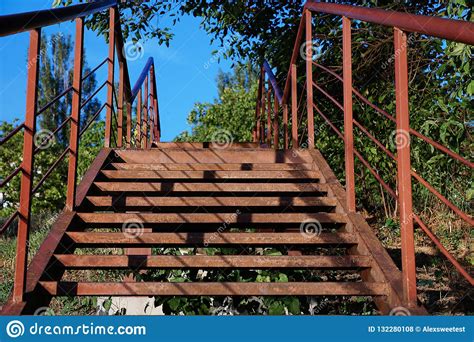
(141,197)
(243,198)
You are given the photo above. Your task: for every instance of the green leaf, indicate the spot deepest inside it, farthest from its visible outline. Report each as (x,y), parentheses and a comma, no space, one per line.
(294,306)
(276,308)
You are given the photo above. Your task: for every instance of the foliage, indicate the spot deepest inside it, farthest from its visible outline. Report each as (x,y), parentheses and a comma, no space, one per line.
(56,75)
(233,112)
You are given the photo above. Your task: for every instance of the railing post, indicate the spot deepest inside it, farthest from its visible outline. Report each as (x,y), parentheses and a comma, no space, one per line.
(75,115)
(269,114)
(348,127)
(24,211)
(129,124)
(285,126)
(404,168)
(256,132)
(139,120)
(276,136)
(110,78)
(120,105)
(145,113)
(156,123)
(294,107)
(309,77)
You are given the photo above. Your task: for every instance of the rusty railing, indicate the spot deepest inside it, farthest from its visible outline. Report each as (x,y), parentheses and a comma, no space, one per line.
(116,105)
(401,23)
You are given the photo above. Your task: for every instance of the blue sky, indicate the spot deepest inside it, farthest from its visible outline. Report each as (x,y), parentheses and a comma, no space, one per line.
(185,71)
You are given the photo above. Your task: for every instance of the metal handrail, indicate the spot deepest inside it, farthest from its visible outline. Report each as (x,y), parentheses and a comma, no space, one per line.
(450,29)
(22,22)
(273,81)
(141,79)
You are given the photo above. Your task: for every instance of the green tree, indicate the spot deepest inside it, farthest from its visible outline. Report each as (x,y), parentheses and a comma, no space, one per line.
(231,114)
(56,75)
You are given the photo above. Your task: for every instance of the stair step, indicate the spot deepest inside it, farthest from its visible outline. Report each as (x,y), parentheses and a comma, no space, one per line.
(215,218)
(167,187)
(210,175)
(99,239)
(214,289)
(214,167)
(148,201)
(200,145)
(71,261)
(213,156)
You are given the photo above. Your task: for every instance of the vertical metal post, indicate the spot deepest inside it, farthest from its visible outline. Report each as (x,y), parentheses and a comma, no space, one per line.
(156,132)
(348,127)
(256,133)
(285,126)
(129,124)
(276,135)
(139,120)
(120,105)
(404,168)
(27,167)
(75,115)
(145,113)
(309,78)
(110,78)
(269,114)
(294,107)
(262,110)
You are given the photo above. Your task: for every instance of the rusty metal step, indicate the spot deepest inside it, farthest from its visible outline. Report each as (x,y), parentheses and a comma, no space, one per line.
(214,289)
(215,218)
(248,201)
(99,239)
(214,167)
(168,187)
(213,156)
(269,176)
(71,261)
(201,145)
